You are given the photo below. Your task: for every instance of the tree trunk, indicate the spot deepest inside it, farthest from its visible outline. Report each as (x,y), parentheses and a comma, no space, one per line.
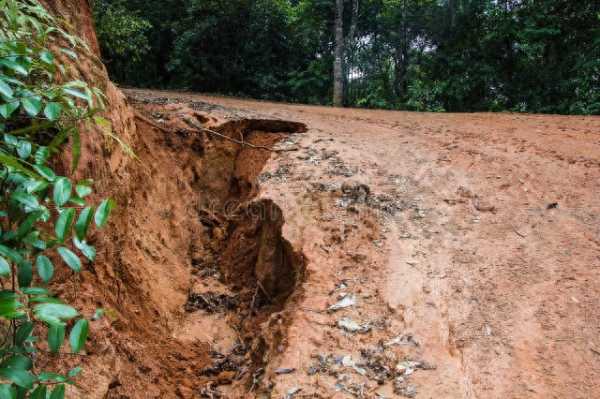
(402,61)
(338,62)
(451,13)
(402,56)
(350,48)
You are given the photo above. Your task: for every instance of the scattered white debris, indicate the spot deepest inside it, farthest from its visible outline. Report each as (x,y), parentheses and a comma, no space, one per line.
(487,330)
(407,367)
(346,302)
(285,370)
(292,392)
(349,325)
(406,339)
(348,362)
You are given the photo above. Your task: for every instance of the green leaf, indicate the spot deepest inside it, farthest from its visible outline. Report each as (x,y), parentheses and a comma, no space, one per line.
(20,378)
(13,162)
(83,190)
(27,225)
(63,224)
(45,172)
(18,362)
(24,149)
(58,139)
(52,111)
(23,332)
(41,155)
(6,90)
(11,254)
(103,212)
(10,307)
(58,392)
(70,53)
(47,57)
(34,186)
(32,105)
(77,201)
(76,93)
(15,66)
(40,392)
(87,250)
(83,222)
(79,334)
(11,140)
(6,110)
(54,313)
(33,239)
(45,268)
(5,270)
(51,377)
(56,337)
(30,201)
(35,291)
(74,372)
(70,258)
(7,391)
(25,274)
(62,191)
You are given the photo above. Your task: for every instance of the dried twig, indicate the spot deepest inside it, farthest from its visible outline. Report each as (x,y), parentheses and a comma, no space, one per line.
(149,121)
(254,299)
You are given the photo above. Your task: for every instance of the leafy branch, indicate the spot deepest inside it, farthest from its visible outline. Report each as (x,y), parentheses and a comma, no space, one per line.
(44,218)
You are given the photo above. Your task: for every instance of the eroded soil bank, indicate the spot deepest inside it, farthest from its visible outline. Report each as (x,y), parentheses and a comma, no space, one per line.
(203,271)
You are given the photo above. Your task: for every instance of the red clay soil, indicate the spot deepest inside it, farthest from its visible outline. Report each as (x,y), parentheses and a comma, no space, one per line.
(463,251)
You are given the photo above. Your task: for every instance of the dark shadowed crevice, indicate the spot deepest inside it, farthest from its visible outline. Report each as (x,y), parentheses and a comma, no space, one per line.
(247,250)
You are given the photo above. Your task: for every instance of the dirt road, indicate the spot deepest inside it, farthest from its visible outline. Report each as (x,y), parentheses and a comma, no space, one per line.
(462,251)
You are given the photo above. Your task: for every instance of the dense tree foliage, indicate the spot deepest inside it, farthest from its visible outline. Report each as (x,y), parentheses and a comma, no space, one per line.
(454,55)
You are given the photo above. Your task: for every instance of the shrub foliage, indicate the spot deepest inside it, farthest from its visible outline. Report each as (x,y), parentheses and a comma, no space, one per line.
(44,217)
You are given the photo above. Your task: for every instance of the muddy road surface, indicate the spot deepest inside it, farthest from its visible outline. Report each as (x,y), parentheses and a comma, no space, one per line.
(410,255)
